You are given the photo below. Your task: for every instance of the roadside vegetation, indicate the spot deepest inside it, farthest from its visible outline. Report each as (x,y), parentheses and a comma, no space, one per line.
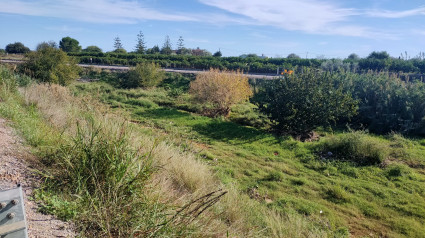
(344,183)
(314,154)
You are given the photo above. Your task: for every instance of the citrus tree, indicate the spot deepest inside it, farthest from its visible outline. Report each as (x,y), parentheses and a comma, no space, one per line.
(299,103)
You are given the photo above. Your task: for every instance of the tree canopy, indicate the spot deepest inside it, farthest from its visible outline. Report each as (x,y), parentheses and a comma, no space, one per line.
(17,48)
(293,56)
(44,45)
(93,49)
(379,55)
(50,65)
(69,44)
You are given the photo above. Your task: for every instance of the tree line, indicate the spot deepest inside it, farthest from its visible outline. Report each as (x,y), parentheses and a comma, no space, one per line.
(182,57)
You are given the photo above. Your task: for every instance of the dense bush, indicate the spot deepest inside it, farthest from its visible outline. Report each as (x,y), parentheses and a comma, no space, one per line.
(220,90)
(300,103)
(50,65)
(144,75)
(17,48)
(387,103)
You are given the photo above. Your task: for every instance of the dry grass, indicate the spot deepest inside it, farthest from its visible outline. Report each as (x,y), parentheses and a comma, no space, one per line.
(181,178)
(292,225)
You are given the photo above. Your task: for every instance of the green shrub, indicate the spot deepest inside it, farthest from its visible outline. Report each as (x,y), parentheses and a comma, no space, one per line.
(302,102)
(356,147)
(387,103)
(144,75)
(50,65)
(8,81)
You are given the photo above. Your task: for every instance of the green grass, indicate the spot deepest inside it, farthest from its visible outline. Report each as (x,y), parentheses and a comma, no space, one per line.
(370,184)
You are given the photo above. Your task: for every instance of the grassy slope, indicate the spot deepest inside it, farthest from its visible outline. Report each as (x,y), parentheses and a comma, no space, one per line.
(283,174)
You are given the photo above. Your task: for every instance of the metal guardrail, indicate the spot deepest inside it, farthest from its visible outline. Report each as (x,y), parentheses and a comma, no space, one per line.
(12,214)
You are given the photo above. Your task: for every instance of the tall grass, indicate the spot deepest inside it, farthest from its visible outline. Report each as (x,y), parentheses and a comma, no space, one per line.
(102,172)
(109,178)
(357,147)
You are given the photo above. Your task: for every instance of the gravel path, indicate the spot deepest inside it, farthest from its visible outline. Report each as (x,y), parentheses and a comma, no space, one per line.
(15,167)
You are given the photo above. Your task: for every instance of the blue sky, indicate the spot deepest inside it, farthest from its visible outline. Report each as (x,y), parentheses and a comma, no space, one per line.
(276,28)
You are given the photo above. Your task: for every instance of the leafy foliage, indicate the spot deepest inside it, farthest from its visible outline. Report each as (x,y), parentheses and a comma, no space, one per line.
(50,65)
(17,48)
(220,89)
(379,55)
(93,49)
(218,54)
(44,44)
(387,103)
(144,75)
(69,44)
(293,56)
(302,102)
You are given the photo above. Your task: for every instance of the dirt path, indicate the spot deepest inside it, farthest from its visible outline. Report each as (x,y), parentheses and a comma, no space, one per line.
(15,167)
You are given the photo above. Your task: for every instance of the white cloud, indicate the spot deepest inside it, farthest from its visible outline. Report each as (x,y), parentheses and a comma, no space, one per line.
(100,11)
(305,15)
(311,16)
(63,28)
(396,14)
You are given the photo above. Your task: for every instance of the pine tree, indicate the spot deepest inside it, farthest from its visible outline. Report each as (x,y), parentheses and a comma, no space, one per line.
(180,45)
(141,45)
(166,47)
(117,43)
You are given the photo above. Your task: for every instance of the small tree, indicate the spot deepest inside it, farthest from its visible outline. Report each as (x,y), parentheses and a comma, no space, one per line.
(300,103)
(166,47)
(379,55)
(353,56)
(293,56)
(153,50)
(120,51)
(93,49)
(218,54)
(17,48)
(51,65)
(43,45)
(219,90)
(141,45)
(69,44)
(144,75)
(117,43)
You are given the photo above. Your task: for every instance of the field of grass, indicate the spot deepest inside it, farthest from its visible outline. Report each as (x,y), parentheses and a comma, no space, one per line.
(115,178)
(345,183)
(138,162)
